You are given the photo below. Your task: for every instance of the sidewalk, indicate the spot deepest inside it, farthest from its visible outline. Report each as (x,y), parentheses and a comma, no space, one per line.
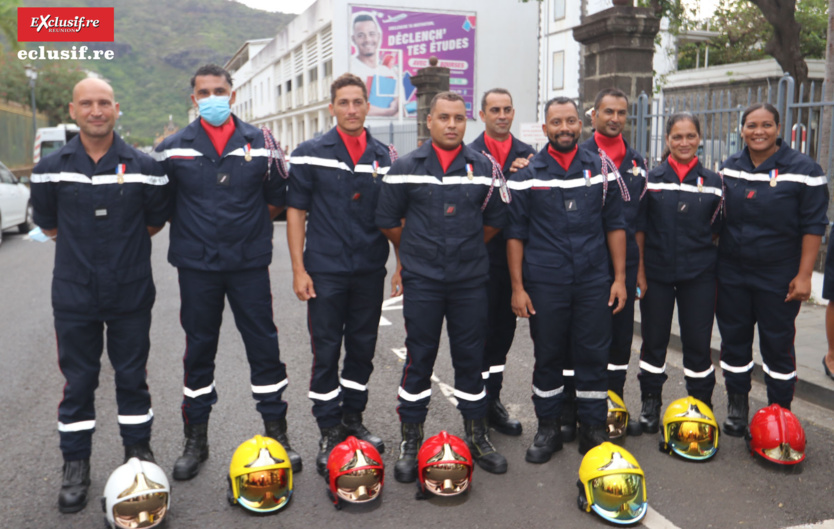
(812,385)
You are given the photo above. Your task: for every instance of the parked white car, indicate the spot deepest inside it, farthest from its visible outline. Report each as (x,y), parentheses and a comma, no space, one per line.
(15,206)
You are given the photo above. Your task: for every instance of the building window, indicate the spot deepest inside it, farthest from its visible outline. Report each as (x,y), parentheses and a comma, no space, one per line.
(299,81)
(558,9)
(328,68)
(558,70)
(313,74)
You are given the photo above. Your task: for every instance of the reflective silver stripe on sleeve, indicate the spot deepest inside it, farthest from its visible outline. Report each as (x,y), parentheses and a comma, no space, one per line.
(42,178)
(652,369)
(591,394)
(547,394)
(787,177)
(350,384)
(337,164)
(129,178)
(172,153)
(411,397)
(698,374)
(136,419)
(367,168)
(732,369)
(254,153)
(613,367)
(564,184)
(689,188)
(471,397)
(194,393)
(567,372)
(778,376)
(324,396)
(79,426)
(428,179)
(272,388)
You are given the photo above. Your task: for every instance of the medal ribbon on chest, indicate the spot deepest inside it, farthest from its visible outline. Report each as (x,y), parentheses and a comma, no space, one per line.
(375,165)
(247,152)
(120,173)
(700,184)
(469,172)
(587,174)
(773,174)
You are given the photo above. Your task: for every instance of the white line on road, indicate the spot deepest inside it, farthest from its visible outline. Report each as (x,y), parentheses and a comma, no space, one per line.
(386,305)
(383,321)
(655,520)
(827,524)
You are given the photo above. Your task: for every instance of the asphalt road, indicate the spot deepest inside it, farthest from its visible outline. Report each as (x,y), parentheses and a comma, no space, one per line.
(731,490)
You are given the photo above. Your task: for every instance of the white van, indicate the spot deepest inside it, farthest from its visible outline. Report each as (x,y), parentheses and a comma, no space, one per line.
(51,139)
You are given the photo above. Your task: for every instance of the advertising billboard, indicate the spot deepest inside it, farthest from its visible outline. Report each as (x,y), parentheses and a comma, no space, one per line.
(389,46)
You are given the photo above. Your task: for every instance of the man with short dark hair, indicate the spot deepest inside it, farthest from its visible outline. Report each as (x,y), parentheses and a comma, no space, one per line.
(101,201)
(334,186)
(442,190)
(565,213)
(497,113)
(227,177)
(381,81)
(609,117)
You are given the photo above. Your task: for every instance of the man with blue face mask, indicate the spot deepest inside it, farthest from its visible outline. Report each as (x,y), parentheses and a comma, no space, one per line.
(229,184)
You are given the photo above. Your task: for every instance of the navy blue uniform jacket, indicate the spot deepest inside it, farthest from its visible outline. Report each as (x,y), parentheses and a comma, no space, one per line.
(103,249)
(221,220)
(342,236)
(677,220)
(562,220)
(443,237)
(497,246)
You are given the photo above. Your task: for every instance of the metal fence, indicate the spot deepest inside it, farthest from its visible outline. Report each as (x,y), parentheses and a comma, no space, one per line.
(807,125)
(18,136)
(403,136)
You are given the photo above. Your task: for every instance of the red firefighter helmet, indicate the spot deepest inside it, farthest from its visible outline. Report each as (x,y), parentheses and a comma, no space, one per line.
(444,465)
(777,435)
(354,471)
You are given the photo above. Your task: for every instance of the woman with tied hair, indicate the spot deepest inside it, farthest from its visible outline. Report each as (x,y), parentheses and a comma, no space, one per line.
(776,200)
(676,226)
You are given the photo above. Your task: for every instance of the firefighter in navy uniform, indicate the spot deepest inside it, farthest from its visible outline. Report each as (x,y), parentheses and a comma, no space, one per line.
(336,179)
(445,192)
(228,186)
(679,220)
(564,214)
(497,113)
(100,200)
(776,201)
(609,119)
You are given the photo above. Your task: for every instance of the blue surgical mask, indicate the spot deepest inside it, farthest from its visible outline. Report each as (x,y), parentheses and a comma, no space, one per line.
(214,109)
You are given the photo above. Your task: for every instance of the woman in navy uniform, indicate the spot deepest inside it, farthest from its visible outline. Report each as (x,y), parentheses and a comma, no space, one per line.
(677,224)
(776,201)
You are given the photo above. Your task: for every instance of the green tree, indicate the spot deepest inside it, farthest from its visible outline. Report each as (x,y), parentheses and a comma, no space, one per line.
(53,89)
(8,23)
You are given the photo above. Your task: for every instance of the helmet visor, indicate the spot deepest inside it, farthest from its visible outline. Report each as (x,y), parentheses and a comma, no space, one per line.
(783,454)
(692,439)
(446,479)
(264,490)
(619,498)
(146,510)
(360,485)
(616,423)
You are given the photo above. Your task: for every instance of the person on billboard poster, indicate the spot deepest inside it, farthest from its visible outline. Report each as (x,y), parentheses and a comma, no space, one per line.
(379,77)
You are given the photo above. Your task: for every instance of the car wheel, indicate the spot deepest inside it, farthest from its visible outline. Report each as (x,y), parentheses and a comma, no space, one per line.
(28,224)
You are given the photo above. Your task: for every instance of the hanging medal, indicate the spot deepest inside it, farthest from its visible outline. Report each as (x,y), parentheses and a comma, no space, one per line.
(700,184)
(773,174)
(375,166)
(247,152)
(120,173)
(635,170)
(587,174)
(469,174)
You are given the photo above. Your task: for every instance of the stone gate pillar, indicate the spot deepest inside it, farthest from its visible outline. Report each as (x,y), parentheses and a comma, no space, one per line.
(429,82)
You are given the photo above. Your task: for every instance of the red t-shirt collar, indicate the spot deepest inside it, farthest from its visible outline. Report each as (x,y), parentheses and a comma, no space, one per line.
(564,158)
(614,147)
(499,149)
(219,136)
(355,144)
(680,169)
(446,157)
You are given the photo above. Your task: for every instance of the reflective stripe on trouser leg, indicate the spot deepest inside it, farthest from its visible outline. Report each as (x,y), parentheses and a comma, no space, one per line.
(622,335)
(466,317)
(361,329)
(202,298)
(500,330)
(549,330)
(696,313)
(590,343)
(128,345)
(656,309)
(424,307)
(736,321)
(777,332)
(250,298)
(79,357)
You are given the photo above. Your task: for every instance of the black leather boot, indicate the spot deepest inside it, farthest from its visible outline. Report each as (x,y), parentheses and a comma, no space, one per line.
(278,430)
(650,414)
(738,409)
(76,481)
(330,437)
(353,425)
(499,418)
(405,470)
(483,452)
(568,422)
(591,436)
(547,441)
(195,451)
(141,451)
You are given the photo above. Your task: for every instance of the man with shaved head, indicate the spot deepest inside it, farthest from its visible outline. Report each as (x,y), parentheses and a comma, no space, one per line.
(100,200)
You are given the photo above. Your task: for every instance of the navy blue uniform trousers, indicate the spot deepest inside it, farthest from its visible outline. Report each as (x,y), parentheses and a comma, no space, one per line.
(500,330)
(203,299)
(426,303)
(696,313)
(346,306)
(80,344)
(571,320)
